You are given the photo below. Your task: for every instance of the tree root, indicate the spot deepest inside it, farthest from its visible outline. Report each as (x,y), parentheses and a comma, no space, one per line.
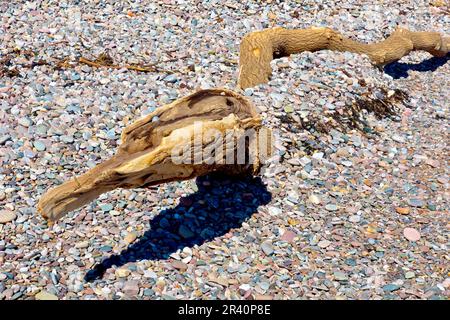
(195,124)
(259,48)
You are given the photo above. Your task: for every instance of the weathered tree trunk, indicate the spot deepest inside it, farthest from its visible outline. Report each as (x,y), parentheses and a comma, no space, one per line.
(259,48)
(211,126)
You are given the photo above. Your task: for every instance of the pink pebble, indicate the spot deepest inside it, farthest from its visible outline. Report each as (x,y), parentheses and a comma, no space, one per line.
(288,236)
(411,234)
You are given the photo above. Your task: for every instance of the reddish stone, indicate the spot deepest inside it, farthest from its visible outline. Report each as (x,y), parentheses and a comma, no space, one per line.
(288,236)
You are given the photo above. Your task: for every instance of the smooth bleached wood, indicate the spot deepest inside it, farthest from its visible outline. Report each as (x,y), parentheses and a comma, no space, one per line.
(259,48)
(146,155)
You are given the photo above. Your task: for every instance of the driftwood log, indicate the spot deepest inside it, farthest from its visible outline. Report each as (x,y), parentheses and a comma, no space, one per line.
(258,48)
(193,136)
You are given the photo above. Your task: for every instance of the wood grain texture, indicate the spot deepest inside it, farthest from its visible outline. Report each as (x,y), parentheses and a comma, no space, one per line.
(145,157)
(259,48)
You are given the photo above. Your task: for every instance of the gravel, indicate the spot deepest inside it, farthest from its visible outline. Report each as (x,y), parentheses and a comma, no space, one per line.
(322,221)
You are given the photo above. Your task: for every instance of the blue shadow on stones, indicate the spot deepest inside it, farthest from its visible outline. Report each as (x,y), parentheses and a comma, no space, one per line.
(399,70)
(220,204)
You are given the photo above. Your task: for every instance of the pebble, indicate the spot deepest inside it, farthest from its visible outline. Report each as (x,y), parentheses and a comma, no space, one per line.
(171,78)
(390,287)
(122,272)
(7,216)
(315,199)
(185,232)
(411,234)
(324,243)
(131,288)
(150,274)
(82,245)
(130,237)
(416,203)
(44,295)
(26,122)
(288,236)
(267,248)
(4,139)
(245,287)
(106,207)
(179,265)
(402,210)
(39,145)
(340,276)
(331,207)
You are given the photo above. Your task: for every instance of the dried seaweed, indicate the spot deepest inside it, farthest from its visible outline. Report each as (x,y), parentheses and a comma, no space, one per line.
(379,102)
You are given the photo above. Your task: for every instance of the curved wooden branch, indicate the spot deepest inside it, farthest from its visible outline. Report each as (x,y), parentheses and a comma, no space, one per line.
(198,124)
(259,48)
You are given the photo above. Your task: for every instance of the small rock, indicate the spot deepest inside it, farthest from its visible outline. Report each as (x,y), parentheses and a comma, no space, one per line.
(104,80)
(274,211)
(179,265)
(347,163)
(324,243)
(288,109)
(411,234)
(267,248)
(331,207)
(4,138)
(340,276)
(248,91)
(432,163)
(82,245)
(130,237)
(315,199)
(131,288)
(150,274)
(398,138)
(44,295)
(401,210)
(185,232)
(409,275)
(416,203)
(7,216)
(106,207)
(355,218)
(288,236)
(39,145)
(122,273)
(245,287)
(318,155)
(390,287)
(26,122)
(171,78)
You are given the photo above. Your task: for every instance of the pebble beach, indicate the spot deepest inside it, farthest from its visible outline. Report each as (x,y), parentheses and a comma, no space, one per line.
(354,204)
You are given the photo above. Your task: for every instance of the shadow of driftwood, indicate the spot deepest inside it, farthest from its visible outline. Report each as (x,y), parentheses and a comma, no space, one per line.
(399,70)
(220,204)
